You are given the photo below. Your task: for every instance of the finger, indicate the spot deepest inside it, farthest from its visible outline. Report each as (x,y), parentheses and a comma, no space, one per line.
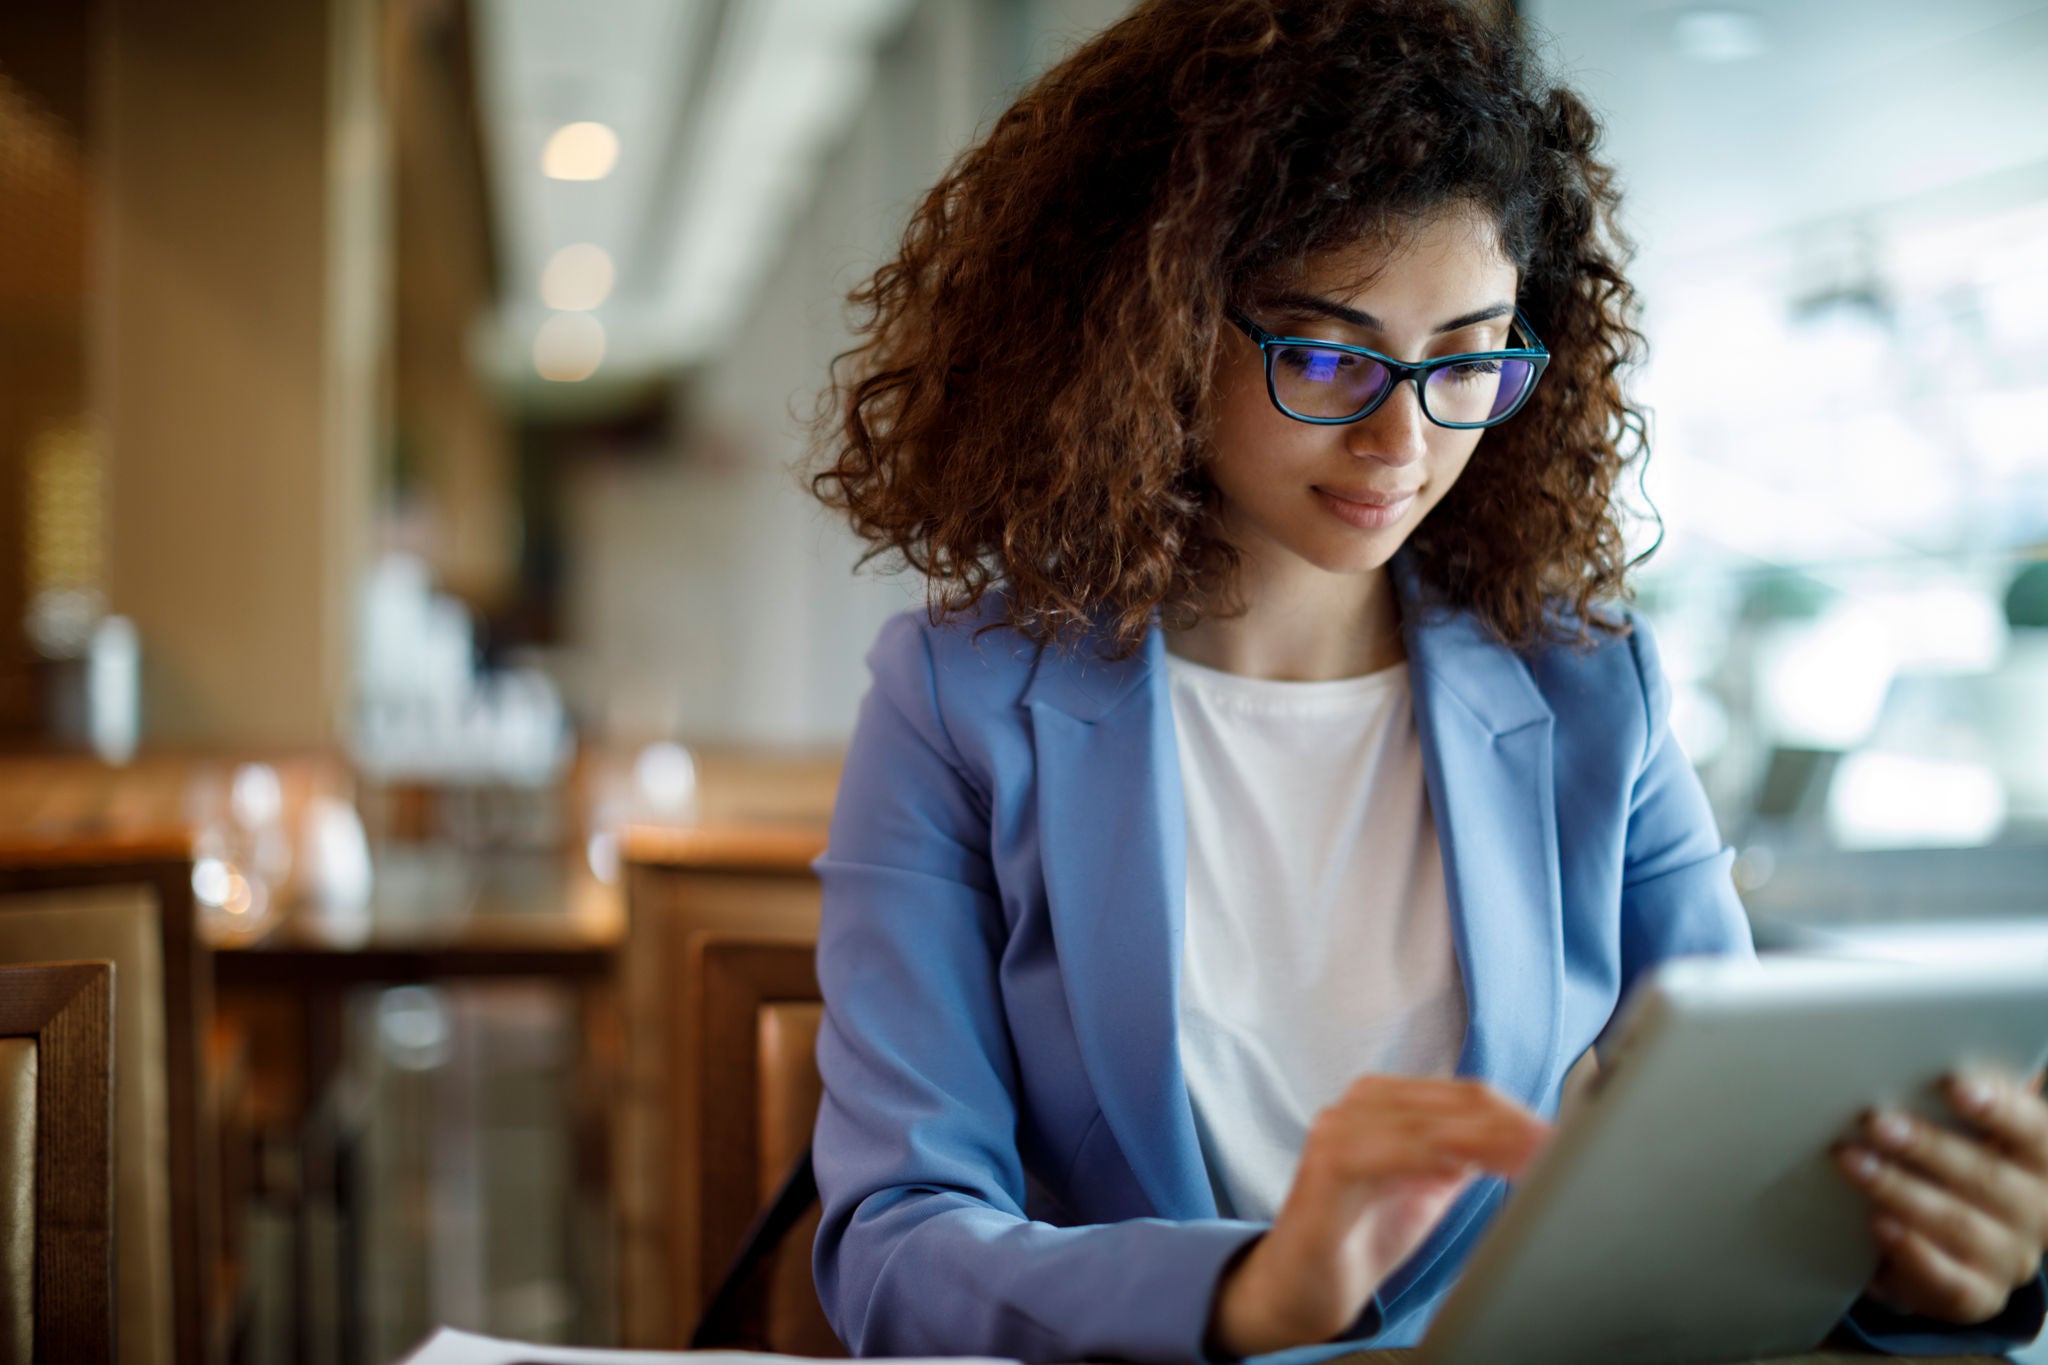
(1964,1232)
(1358,1150)
(2013,1113)
(1360,1130)
(1432,1091)
(1512,1127)
(1373,1101)
(1365,1149)
(1981,1172)
(1922,1277)
(1461,1094)
(1342,1171)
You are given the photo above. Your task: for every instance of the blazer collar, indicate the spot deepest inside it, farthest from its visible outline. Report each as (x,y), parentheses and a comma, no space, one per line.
(1088,684)
(1113,832)
(1463,661)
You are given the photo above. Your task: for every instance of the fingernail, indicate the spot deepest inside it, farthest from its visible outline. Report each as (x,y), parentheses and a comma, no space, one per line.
(1887,1229)
(1862,1164)
(1973,1095)
(1891,1130)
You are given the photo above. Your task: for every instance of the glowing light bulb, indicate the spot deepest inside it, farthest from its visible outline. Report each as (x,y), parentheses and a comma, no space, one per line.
(580,151)
(577,278)
(568,347)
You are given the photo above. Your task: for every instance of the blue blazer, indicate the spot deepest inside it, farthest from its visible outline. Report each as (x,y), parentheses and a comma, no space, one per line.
(1005,1149)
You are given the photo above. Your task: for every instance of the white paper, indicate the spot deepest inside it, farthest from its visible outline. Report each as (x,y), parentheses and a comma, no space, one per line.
(450,1347)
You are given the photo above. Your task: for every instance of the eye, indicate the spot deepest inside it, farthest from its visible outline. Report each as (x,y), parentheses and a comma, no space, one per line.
(1315,364)
(1471,369)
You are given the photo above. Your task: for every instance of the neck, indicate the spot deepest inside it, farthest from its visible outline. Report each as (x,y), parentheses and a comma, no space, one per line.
(1300,624)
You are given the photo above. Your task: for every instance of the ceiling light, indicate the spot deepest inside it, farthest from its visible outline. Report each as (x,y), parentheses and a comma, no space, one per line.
(580,151)
(1717,34)
(568,347)
(577,278)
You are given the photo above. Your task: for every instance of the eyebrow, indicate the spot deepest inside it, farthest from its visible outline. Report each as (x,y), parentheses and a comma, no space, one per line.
(1322,307)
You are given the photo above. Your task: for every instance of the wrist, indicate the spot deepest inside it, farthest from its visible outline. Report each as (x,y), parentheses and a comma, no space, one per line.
(1252,1314)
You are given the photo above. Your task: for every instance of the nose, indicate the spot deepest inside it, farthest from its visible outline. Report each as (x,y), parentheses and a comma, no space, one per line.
(1395,433)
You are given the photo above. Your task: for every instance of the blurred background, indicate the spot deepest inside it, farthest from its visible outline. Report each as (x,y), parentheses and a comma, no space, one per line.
(405,588)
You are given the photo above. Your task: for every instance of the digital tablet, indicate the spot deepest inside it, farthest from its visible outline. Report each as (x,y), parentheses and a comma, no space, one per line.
(1690,1211)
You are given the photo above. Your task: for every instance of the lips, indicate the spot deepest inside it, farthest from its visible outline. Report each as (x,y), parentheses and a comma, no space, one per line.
(1366,497)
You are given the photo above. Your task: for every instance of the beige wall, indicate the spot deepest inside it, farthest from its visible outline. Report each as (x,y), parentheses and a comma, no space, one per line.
(451,426)
(44,226)
(241,271)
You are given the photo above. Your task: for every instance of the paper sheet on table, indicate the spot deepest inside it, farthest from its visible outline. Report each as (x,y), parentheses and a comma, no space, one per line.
(450,1347)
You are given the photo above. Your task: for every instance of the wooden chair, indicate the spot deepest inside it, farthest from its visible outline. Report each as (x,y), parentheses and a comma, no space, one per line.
(57,1165)
(124,924)
(743,881)
(755,1094)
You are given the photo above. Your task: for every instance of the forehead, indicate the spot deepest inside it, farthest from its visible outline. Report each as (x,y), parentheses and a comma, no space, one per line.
(1453,257)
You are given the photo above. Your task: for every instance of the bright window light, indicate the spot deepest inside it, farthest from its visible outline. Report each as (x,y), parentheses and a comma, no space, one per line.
(1824,682)
(1881,800)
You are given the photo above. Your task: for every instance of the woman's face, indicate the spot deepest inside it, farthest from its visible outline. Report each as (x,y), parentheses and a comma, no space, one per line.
(1344,498)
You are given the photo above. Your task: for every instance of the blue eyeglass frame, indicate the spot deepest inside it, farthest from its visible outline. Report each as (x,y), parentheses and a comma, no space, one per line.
(1537,354)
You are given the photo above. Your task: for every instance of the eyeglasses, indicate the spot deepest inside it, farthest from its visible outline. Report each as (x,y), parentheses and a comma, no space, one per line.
(1329,383)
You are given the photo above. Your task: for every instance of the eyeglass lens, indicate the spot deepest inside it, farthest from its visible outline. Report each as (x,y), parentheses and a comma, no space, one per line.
(1313,382)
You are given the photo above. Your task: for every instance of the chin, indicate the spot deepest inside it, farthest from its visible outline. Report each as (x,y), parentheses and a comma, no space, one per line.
(1320,541)
(1362,552)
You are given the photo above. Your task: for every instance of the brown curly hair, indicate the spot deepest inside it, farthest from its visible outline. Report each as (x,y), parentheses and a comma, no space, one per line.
(1027,404)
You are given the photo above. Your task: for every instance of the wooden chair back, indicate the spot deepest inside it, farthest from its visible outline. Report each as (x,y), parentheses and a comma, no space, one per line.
(746,882)
(756,1096)
(56,1164)
(124,924)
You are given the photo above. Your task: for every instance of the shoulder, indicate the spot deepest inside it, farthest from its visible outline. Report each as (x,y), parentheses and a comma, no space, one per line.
(1614,679)
(972,655)
(960,682)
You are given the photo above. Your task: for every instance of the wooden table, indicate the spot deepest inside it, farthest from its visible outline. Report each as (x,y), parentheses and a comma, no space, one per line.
(255,1032)
(436,915)
(264,1016)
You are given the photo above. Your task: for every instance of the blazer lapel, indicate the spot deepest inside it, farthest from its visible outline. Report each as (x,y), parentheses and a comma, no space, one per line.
(1486,731)
(1113,835)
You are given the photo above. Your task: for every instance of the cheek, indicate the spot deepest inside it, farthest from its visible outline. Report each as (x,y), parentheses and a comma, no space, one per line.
(1252,441)
(1242,408)
(1450,464)
(1450,454)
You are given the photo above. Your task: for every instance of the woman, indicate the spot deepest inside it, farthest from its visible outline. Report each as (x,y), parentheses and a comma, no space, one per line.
(1229,868)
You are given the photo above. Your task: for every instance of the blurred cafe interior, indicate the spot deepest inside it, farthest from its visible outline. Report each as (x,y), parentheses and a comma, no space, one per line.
(424,676)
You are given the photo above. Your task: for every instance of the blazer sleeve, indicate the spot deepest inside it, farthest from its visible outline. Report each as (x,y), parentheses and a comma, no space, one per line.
(1678,898)
(923,1247)
(1677,886)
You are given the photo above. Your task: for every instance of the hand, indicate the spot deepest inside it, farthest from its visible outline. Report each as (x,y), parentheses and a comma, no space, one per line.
(1378,1169)
(1962,1217)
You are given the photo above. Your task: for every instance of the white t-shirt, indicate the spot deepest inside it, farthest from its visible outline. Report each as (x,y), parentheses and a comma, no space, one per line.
(1318,940)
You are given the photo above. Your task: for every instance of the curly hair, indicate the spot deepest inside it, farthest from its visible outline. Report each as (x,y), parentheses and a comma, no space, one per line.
(1028,401)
